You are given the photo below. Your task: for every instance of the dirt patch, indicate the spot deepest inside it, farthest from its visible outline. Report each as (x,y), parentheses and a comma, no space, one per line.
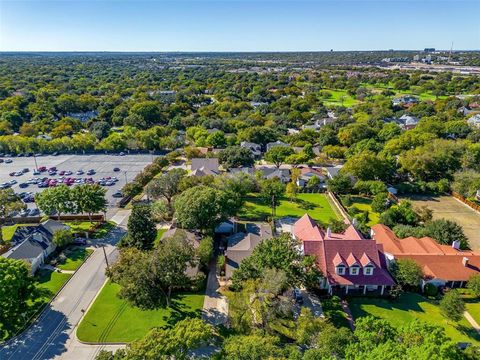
(447,207)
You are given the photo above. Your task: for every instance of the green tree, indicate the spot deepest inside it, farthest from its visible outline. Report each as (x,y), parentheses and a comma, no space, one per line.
(141,228)
(271,191)
(452,306)
(380,202)
(148,113)
(205,251)
(56,200)
(63,238)
(255,346)
(216,139)
(89,198)
(202,207)
(17,290)
(9,202)
(446,232)
(402,213)
(407,272)
(236,156)
(278,154)
(166,185)
(367,166)
(291,190)
(340,184)
(474,284)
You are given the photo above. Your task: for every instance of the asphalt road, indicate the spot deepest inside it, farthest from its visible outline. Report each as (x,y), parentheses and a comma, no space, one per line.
(52,336)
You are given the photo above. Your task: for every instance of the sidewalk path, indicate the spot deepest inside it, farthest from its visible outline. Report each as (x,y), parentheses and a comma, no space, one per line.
(472,321)
(215,306)
(52,335)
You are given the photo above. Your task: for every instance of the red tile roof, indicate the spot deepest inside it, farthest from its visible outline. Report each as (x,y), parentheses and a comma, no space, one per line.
(437,261)
(307,229)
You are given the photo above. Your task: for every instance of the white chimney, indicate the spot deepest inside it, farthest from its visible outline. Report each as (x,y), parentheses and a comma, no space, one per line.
(465,261)
(329,232)
(354,221)
(456,245)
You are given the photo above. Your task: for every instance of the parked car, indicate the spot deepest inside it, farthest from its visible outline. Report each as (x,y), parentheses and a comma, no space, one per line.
(80,172)
(91,172)
(117,194)
(42,168)
(12,173)
(23,213)
(1,161)
(12,182)
(116,169)
(36,172)
(25,170)
(8,161)
(34,212)
(80,241)
(23,185)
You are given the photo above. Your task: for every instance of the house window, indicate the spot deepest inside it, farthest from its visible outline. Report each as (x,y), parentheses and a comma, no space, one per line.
(340,270)
(354,270)
(368,270)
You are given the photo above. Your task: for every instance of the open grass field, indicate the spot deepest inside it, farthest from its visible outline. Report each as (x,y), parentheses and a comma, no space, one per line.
(448,207)
(339,98)
(409,307)
(111,319)
(318,206)
(73,258)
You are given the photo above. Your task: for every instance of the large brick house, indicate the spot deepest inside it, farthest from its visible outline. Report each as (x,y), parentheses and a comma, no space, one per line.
(442,265)
(350,264)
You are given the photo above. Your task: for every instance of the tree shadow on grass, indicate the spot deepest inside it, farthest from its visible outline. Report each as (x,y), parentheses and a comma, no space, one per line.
(179,310)
(305,205)
(468,331)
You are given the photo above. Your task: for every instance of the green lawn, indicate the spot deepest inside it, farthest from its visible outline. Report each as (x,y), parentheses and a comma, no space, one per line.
(73,258)
(111,319)
(8,231)
(80,226)
(103,230)
(409,307)
(364,204)
(51,281)
(474,309)
(332,309)
(339,98)
(316,205)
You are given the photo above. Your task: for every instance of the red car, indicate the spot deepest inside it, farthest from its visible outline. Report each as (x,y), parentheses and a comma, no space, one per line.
(42,168)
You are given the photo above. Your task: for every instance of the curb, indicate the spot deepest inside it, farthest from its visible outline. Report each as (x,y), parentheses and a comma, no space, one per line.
(40,312)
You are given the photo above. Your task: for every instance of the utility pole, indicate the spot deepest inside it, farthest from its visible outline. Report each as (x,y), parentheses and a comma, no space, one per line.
(35,159)
(105,254)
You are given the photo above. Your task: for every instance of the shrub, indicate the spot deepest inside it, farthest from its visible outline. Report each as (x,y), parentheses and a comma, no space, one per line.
(430,289)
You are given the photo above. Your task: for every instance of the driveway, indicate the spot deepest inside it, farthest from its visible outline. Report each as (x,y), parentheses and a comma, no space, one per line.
(52,336)
(215,307)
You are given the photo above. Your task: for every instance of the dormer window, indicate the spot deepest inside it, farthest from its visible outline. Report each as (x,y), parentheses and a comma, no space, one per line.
(354,270)
(340,270)
(368,270)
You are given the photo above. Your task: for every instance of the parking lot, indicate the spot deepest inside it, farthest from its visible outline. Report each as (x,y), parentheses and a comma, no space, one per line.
(103,165)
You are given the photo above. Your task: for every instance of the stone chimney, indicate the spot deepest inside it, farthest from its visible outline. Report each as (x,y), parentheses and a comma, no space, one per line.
(465,261)
(329,232)
(456,245)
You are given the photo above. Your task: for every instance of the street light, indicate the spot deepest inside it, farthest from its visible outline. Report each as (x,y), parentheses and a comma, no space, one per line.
(35,159)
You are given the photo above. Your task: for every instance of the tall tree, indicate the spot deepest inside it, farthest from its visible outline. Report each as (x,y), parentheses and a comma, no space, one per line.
(278,154)
(16,291)
(89,198)
(166,185)
(9,202)
(236,156)
(56,200)
(452,306)
(141,228)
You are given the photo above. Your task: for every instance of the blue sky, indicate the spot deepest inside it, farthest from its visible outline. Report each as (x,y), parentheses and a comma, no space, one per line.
(237,25)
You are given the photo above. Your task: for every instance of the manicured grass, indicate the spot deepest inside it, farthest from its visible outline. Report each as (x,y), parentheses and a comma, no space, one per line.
(103,230)
(111,319)
(316,205)
(474,309)
(332,309)
(364,204)
(80,226)
(8,231)
(51,281)
(339,98)
(412,306)
(74,258)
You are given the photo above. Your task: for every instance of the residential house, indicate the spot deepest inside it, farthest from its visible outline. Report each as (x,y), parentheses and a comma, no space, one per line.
(242,244)
(273,172)
(332,171)
(307,173)
(406,122)
(84,116)
(442,265)
(405,101)
(276,143)
(474,121)
(34,244)
(256,149)
(349,263)
(204,166)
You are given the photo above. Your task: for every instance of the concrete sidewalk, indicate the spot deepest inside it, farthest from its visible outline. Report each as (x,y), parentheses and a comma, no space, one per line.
(215,306)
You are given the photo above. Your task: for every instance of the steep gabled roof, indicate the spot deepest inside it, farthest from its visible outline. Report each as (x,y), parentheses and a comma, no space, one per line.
(307,229)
